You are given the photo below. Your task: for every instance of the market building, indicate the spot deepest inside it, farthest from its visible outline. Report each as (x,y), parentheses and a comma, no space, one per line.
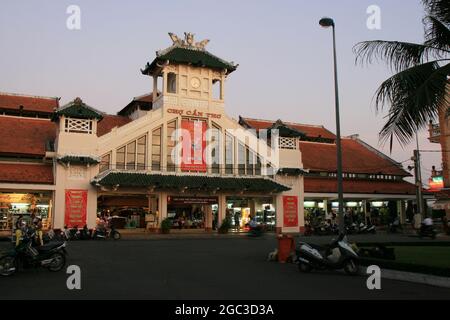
(372,180)
(172,154)
(175,154)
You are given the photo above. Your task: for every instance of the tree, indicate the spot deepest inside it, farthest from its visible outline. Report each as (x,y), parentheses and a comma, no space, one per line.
(416,93)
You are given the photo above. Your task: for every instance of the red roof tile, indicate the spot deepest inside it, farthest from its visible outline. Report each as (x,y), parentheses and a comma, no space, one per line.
(326,185)
(310,130)
(26,173)
(29,103)
(109,122)
(25,136)
(356,158)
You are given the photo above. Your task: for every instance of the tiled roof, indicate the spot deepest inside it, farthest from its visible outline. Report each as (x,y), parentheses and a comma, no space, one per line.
(200,58)
(310,130)
(145,102)
(109,122)
(327,185)
(26,173)
(356,158)
(25,136)
(30,103)
(78,109)
(196,182)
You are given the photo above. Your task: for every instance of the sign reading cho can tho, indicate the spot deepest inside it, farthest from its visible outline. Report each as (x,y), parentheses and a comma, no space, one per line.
(76,208)
(290,211)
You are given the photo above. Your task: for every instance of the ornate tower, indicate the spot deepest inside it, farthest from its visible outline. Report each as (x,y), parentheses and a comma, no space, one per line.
(191,76)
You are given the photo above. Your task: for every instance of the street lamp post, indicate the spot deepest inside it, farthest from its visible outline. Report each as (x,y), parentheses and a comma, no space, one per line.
(326,23)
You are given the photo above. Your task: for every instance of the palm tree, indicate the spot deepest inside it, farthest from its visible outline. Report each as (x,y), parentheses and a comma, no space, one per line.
(416,94)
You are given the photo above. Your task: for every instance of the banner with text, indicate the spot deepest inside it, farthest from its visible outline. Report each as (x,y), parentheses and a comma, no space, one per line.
(194,145)
(76,208)
(290,211)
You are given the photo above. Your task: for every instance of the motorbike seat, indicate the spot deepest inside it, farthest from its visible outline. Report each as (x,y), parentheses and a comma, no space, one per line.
(49,246)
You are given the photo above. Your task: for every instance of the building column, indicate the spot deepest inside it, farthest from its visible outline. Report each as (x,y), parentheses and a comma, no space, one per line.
(402,211)
(364,205)
(222,202)
(208,217)
(162,207)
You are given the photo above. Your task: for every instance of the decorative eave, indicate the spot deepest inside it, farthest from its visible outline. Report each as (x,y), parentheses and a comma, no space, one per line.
(188,52)
(197,182)
(292,171)
(77,109)
(78,159)
(285,131)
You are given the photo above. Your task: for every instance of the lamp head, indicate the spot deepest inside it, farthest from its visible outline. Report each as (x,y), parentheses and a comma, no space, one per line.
(326,22)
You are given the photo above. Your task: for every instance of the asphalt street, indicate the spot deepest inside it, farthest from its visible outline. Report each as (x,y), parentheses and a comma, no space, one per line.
(196,268)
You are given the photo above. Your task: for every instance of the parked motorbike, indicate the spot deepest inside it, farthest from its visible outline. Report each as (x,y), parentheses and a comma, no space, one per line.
(71,233)
(338,255)
(427,231)
(103,233)
(351,228)
(85,233)
(51,256)
(394,227)
(366,228)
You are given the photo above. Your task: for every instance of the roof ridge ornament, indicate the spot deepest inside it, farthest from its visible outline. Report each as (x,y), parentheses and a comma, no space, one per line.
(188,42)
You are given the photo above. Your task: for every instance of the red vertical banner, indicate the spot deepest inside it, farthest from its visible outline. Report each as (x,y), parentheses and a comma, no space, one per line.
(193,145)
(76,208)
(290,211)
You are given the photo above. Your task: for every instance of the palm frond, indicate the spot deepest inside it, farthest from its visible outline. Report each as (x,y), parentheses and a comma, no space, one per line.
(437,34)
(415,97)
(398,55)
(439,9)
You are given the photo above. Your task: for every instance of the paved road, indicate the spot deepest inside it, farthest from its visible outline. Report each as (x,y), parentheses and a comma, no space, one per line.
(216,268)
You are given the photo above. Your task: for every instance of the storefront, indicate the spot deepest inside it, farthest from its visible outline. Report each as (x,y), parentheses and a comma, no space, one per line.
(192,212)
(24,205)
(241,210)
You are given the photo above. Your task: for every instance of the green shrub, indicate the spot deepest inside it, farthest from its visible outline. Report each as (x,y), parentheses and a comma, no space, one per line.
(166,224)
(225,226)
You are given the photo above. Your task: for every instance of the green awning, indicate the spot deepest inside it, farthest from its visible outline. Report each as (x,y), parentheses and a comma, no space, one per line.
(189,182)
(78,160)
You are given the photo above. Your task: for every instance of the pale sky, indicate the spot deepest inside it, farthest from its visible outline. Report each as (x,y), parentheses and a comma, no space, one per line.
(285,57)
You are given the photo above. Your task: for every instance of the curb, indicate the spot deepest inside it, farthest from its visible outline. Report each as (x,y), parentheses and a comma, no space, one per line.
(432,280)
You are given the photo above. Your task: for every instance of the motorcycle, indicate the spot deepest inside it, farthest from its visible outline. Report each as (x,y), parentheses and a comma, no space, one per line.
(103,233)
(351,228)
(51,256)
(85,233)
(427,231)
(366,228)
(71,233)
(338,255)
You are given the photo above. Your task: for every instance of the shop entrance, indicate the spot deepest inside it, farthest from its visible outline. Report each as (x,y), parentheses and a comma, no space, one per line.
(127,211)
(187,212)
(25,205)
(240,210)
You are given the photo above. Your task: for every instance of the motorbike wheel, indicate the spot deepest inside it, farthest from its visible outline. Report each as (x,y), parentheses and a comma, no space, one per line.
(7,266)
(59,261)
(116,235)
(303,267)
(351,267)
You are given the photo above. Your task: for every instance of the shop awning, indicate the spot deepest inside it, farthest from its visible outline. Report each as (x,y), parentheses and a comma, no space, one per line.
(115,178)
(441,204)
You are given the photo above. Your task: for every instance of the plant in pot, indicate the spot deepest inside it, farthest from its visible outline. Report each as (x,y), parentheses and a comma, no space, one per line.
(225,226)
(166,224)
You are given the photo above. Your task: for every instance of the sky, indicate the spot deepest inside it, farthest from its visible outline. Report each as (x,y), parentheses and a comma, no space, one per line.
(285,58)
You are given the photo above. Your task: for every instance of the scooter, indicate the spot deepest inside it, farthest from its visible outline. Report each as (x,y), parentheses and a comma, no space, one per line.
(103,233)
(338,255)
(427,231)
(366,228)
(51,256)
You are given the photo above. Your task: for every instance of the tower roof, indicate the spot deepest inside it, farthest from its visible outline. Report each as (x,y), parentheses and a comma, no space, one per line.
(188,51)
(78,109)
